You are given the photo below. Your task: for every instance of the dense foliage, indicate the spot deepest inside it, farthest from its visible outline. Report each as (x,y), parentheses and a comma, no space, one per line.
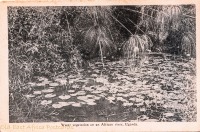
(47,41)
(44,40)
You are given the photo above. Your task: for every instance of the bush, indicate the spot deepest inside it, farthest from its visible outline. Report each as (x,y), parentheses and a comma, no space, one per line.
(37,38)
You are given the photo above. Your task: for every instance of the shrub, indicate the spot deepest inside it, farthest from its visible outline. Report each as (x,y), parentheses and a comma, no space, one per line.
(36,36)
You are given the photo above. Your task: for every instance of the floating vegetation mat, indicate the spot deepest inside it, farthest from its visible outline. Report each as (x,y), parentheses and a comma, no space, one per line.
(160,91)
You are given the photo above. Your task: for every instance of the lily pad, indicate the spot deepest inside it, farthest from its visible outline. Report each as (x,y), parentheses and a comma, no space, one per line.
(103,89)
(143,117)
(76,104)
(73,95)
(113,91)
(37,92)
(50,95)
(160,102)
(42,79)
(40,84)
(46,102)
(61,81)
(165,106)
(91,103)
(111,98)
(120,98)
(97,98)
(102,80)
(103,95)
(125,95)
(30,96)
(138,100)
(90,96)
(139,104)
(132,93)
(46,81)
(94,75)
(127,104)
(64,97)
(57,106)
(47,90)
(82,97)
(89,100)
(83,80)
(173,96)
(81,93)
(132,99)
(119,94)
(96,92)
(32,84)
(89,89)
(71,91)
(139,96)
(64,103)
(53,84)
(75,86)
(168,114)
(111,102)
(71,102)
(181,96)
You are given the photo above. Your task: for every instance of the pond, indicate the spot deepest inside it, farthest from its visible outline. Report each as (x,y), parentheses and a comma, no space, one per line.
(161,90)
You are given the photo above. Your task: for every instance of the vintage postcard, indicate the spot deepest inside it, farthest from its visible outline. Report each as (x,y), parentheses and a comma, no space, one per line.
(110,65)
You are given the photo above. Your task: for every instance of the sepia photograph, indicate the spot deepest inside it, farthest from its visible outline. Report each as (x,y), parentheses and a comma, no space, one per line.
(126,63)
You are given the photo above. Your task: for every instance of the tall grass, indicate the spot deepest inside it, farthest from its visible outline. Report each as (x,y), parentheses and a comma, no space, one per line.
(96,33)
(135,48)
(161,22)
(97,36)
(188,44)
(164,29)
